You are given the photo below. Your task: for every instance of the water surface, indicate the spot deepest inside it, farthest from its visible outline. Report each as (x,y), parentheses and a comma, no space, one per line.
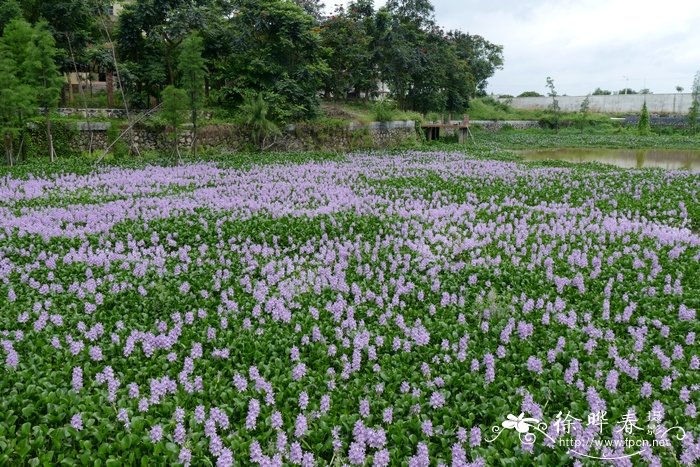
(625,158)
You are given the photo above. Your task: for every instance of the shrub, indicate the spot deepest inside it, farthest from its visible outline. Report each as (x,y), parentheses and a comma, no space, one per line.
(644,127)
(384,110)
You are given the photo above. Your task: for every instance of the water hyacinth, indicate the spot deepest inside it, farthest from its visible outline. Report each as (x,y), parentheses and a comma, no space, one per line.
(397,306)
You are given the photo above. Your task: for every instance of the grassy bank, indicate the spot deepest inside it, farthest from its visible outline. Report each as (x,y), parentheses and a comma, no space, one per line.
(572,138)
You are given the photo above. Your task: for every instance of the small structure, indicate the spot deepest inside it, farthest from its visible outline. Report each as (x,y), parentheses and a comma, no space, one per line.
(432,130)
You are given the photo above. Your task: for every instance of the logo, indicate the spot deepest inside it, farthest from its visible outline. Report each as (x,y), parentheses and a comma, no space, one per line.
(569,432)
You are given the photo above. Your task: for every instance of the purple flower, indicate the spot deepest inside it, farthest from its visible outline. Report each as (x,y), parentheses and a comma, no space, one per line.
(239,382)
(475,436)
(225,458)
(388,415)
(421,458)
(356,454)
(185,456)
(199,414)
(437,400)
(364,408)
(180,434)
(303,400)
(381,458)
(77,380)
(611,381)
(276,420)
(534,364)
(299,371)
(123,416)
(77,422)
(300,426)
(325,404)
(427,428)
(253,412)
(156,434)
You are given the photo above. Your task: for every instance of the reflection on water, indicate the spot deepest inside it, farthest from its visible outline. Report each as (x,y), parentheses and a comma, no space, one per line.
(626,158)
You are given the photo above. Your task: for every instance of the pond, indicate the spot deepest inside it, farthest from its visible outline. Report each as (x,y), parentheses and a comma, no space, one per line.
(626,158)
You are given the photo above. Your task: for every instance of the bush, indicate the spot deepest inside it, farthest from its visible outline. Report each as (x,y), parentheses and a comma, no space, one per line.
(644,127)
(254,113)
(530,94)
(384,110)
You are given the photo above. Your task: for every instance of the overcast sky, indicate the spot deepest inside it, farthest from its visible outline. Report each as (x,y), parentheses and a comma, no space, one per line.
(582,44)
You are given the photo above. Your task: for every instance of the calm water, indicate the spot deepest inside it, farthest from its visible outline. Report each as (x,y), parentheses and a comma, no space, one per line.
(626,158)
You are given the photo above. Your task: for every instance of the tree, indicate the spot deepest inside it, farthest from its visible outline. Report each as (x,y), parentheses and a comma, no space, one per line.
(645,91)
(17,102)
(280,57)
(173,111)
(694,111)
(41,72)
(583,113)
(419,12)
(17,35)
(192,67)
(9,10)
(19,99)
(74,26)
(255,116)
(312,7)
(350,56)
(601,92)
(530,94)
(149,36)
(627,91)
(483,57)
(644,126)
(553,108)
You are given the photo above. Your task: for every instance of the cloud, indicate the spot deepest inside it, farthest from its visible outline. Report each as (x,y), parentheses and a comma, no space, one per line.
(584,44)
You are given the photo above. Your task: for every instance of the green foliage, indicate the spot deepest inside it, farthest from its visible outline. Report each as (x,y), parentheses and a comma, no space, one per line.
(39,71)
(9,10)
(482,57)
(579,202)
(173,112)
(584,110)
(627,91)
(694,111)
(34,139)
(281,57)
(554,110)
(15,39)
(120,149)
(254,113)
(192,68)
(348,39)
(41,67)
(601,92)
(384,110)
(149,36)
(314,8)
(17,97)
(644,126)
(530,94)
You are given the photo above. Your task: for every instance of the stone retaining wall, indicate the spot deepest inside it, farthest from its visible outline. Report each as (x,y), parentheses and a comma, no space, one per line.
(496,125)
(234,138)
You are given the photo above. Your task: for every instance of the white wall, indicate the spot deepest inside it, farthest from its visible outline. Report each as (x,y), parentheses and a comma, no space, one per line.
(619,103)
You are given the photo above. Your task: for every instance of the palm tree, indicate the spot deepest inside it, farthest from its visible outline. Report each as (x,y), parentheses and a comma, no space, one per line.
(254,111)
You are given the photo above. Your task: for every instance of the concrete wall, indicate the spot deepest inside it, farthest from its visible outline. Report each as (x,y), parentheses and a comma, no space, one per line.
(620,103)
